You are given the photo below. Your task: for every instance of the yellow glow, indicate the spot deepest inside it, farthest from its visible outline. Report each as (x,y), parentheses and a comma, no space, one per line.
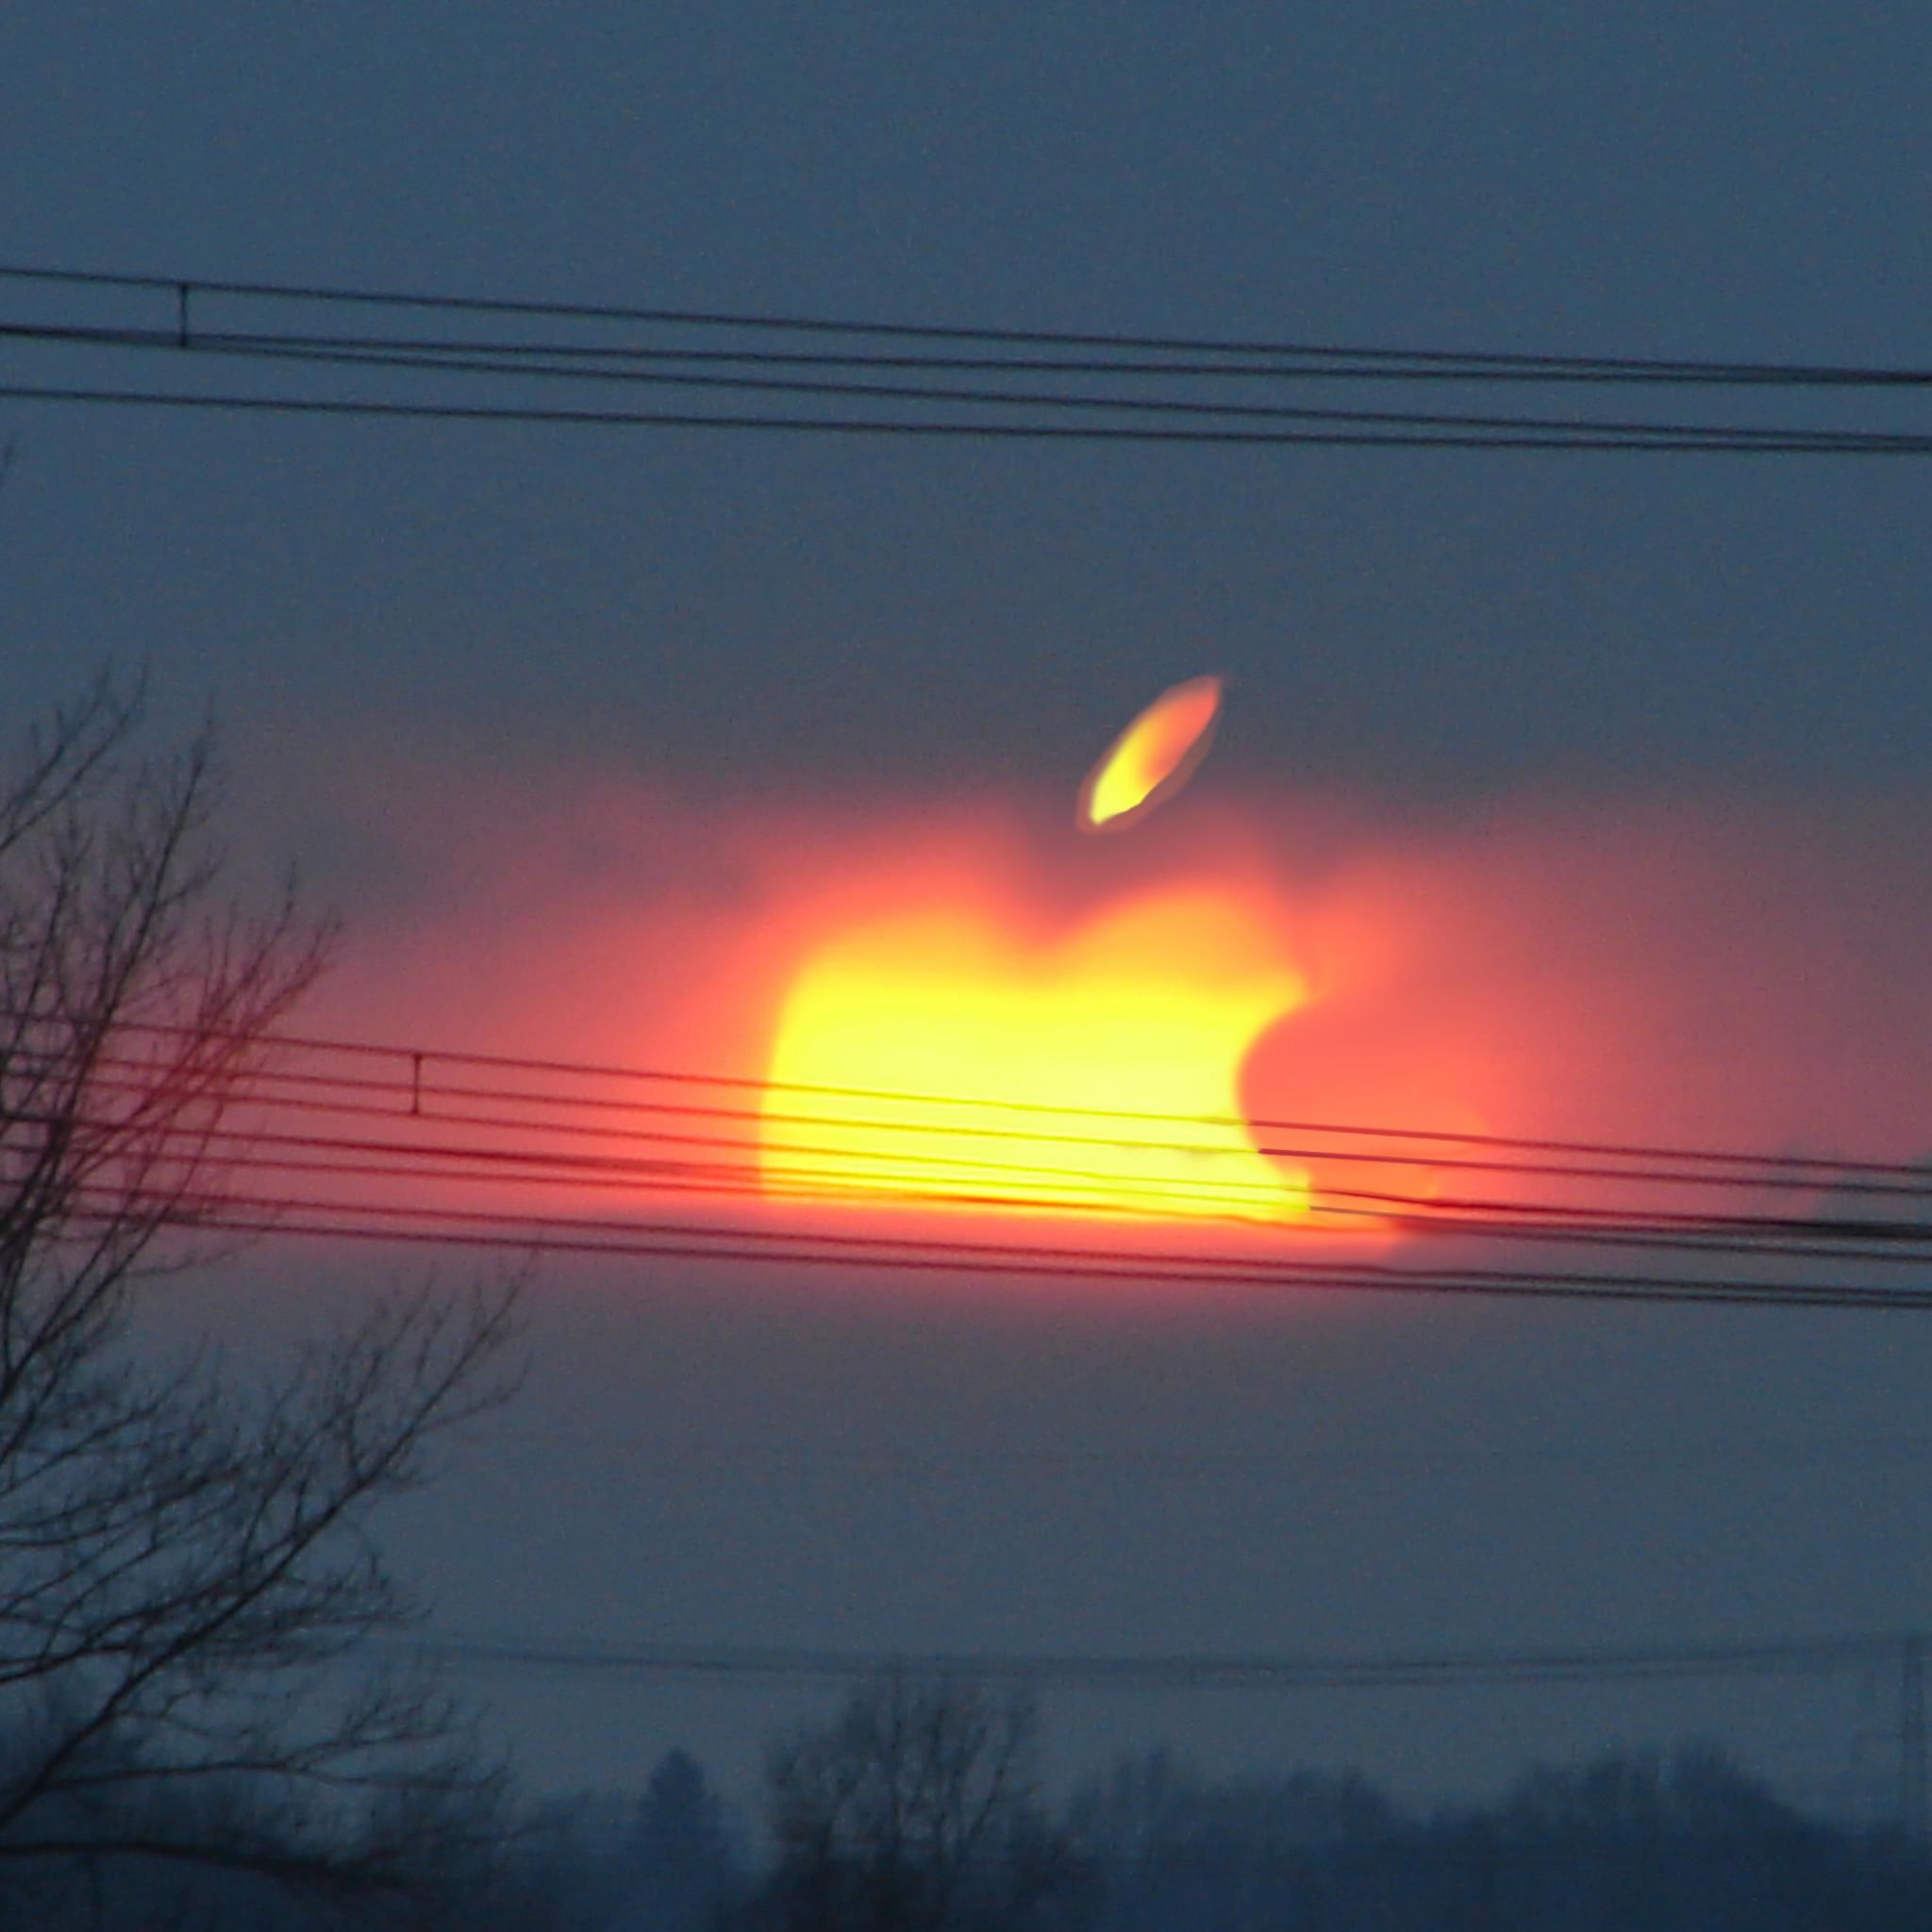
(1149,1009)
(1153,758)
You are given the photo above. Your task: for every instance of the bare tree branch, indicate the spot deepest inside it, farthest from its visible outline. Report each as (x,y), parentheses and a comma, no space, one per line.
(186,1564)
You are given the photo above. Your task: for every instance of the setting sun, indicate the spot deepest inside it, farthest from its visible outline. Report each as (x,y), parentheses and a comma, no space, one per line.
(981,1066)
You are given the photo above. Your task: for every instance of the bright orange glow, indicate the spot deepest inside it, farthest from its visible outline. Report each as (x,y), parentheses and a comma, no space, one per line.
(1534,971)
(1148,1008)
(1153,758)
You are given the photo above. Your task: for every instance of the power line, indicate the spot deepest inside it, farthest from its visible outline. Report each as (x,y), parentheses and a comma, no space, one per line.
(953,1171)
(685,1452)
(775,1163)
(418,1059)
(765,1183)
(793,1247)
(831,1170)
(1715,442)
(753,366)
(1517,363)
(777,1126)
(1758,1237)
(629,353)
(1247,1672)
(339,352)
(1191,1671)
(874,1157)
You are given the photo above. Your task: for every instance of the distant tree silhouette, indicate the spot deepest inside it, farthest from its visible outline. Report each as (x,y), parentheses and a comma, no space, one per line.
(1172,1849)
(1695,1791)
(1684,1841)
(1633,1842)
(681,1856)
(916,1809)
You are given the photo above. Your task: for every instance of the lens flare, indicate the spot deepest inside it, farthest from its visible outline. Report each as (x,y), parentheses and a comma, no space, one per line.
(957,1062)
(1153,758)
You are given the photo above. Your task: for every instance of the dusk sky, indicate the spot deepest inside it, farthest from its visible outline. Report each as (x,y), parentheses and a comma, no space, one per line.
(1578,795)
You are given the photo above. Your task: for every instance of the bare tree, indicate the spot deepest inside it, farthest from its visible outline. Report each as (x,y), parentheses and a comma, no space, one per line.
(916,1810)
(186,1558)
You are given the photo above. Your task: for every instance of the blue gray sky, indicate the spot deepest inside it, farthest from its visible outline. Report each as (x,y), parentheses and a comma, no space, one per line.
(1435,643)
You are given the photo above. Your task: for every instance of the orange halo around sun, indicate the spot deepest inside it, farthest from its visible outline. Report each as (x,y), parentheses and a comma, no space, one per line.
(941,1057)
(1153,758)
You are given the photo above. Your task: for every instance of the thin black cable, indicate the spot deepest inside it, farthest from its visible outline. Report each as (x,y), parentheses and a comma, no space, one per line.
(1330,1221)
(1807,1237)
(1326,1220)
(1770,1172)
(1917,1189)
(339,355)
(966,1253)
(538,1243)
(1848,445)
(1448,1211)
(831,1173)
(434,348)
(598,1070)
(683,1451)
(1102,1186)
(1659,369)
(1176,1670)
(486,1230)
(830,1176)
(984,1166)
(1189,370)
(1479,371)
(1257,1189)
(948,1184)
(758,1185)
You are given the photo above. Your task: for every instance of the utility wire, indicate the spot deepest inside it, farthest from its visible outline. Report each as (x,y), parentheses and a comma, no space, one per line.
(840,1165)
(342,352)
(424,1131)
(182,290)
(896,1141)
(1171,1670)
(836,1169)
(793,1248)
(657,1161)
(1041,415)
(627,353)
(1795,443)
(417,1062)
(683,1452)
(1335,1213)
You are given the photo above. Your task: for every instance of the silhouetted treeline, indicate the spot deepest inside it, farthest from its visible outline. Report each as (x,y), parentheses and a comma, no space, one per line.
(917,1808)
(1684,1843)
